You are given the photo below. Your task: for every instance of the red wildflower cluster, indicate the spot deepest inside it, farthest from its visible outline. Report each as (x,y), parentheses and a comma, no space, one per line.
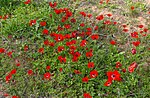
(132,67)
(47,76)
(85,79)
(132,7)
(83,14)
(32,22)
(100,17)
(42,23)
(89,54)
(75,55)
(90,65)
(75,39)
(15,97)
(134,35)
(26,48)
(60,48)
(112,75)
(27,2)
(41,50)
(87,95)
(93,74)
(133,51)
(48,67)
(83,43)
(136,43)
(9,76)
(118,64)
(107,22)
(45,32)
(113,42)
(2,50)
(52,5)
(77,72)
(95,37)
(10,54)
(4,17)
(62,59)
(30,72)
(58,37)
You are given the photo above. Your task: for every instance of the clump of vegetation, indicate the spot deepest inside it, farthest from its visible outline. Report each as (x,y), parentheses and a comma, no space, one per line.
(52,49)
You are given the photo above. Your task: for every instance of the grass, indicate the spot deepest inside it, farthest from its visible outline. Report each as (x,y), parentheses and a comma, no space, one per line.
(67,84)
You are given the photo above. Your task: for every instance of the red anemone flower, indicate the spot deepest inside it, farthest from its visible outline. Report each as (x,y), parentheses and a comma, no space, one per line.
(13,71)
(125,30)
(107,22)
(2,50)
(118,64)
(68,13)
(90,65)
(77,54)
(67,36)
(60,69)
(100,17)
(89,29)
(10,53)
(59,37)
(83,14)
(73,48)
(83,43)
(43,23)
(8,77)
(62,59)
(115,75)
(18,64)
(32,22)
(74,34)
(132,7)
(15,96)
(27,2)
(123,70)
(48,67)
(77,72)
(73,20)
(89,54)
(85,79)
(136,43)
(52,5)
(58,11)
(26,48)
(87,95)
(140,26)
(67,26)
(47,75)
(41,50)
(93,74)
(30,72)
(52,44)
(82,24)
(60,48)
(89,15)
(45,32)
(132,67)
(133,51)
(74,59)
(134,35)
(108,82)
(113,42)
(95,37)
(46,42)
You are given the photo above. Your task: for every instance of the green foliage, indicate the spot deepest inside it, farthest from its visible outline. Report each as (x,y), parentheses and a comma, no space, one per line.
(16,33)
